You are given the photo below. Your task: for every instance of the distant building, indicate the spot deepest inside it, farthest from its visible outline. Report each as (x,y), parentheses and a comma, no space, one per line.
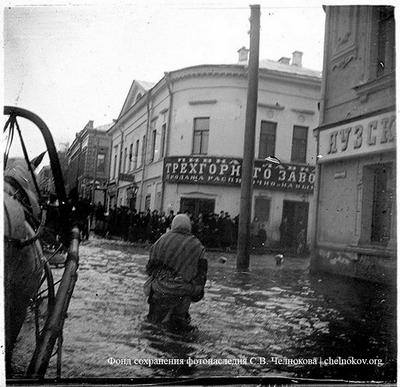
(180,145)
(45,176)
(88,162)
(63,159)
(45,181)
(355,223)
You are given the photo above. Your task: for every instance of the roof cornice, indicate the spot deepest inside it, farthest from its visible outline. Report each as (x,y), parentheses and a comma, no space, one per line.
(241,71)
(209,70)
(289,77)
(214,70)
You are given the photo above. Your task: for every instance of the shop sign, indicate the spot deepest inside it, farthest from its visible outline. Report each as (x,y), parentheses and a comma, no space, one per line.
(372,134)
(126,177)
(227,171)
(111,189)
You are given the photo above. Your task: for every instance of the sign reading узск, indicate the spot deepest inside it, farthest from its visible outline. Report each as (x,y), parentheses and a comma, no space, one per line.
(228,171)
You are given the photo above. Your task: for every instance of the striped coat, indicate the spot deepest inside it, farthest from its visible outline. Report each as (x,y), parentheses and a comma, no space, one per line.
(177,251)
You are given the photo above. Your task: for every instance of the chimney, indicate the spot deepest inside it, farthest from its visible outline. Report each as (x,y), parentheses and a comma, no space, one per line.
(296,58)
(284,60)
(243,55)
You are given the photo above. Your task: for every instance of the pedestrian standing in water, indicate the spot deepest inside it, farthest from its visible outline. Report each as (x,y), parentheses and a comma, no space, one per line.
(178,272)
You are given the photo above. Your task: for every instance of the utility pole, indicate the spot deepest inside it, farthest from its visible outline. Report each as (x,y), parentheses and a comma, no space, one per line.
(246,188)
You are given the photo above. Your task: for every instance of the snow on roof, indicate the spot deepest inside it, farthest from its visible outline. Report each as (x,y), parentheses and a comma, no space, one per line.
(288,68)
(104,127)
(146,85)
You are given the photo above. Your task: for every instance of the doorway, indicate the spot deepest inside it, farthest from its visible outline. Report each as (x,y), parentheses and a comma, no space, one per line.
(132,203)
(294,222)
(262,207)
(197,206)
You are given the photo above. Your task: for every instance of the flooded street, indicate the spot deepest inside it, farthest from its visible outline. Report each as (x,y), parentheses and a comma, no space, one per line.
(280,319)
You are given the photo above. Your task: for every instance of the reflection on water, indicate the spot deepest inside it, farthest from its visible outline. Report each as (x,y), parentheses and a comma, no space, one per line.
(270,312)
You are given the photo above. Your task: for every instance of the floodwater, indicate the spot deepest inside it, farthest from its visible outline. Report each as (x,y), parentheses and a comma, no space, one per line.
(274,320)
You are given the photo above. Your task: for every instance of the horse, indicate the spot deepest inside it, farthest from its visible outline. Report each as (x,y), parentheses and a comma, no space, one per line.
(23,257)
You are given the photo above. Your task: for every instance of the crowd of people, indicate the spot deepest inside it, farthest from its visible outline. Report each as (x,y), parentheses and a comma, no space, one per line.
(213,230)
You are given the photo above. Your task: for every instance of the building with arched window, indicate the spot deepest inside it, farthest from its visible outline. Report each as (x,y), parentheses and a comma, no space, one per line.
(180,146)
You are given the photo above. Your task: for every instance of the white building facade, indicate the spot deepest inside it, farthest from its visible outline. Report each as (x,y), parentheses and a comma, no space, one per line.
(182,143)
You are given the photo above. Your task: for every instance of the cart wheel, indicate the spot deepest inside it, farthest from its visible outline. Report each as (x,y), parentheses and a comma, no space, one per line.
(44,300)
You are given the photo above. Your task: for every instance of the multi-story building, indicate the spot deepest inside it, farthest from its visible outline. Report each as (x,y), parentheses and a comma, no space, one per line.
(355,223)
(180,146)
(45,181)
(128,144)
(88,163)
(45,176)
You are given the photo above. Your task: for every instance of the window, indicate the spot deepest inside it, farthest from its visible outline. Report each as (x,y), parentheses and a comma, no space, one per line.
(378,185)
(153,144)
(142,161)
(147,202)
(101,162)
(125,156)
(130,156)
(115,163)
(299,144)
(381,204)
(135,159)
(386,41)
(200,137)
(162,146)
(82,162)
(267,139)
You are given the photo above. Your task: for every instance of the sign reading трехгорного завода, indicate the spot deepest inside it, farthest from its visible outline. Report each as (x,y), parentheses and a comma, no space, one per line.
(228,171)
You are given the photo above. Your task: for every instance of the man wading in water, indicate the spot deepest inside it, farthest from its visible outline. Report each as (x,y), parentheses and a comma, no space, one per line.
(178,273)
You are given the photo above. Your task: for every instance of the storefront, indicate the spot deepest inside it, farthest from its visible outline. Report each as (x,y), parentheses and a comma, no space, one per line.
(128,189)
(294,221)
(111,195)
(356,205)
(131,192)
(197,206)
(204,184)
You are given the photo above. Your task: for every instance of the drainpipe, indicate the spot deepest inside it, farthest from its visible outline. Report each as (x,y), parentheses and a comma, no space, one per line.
(145,147)
(106,194)
(167,137)
(110,169)
(321,120)
(119,163)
